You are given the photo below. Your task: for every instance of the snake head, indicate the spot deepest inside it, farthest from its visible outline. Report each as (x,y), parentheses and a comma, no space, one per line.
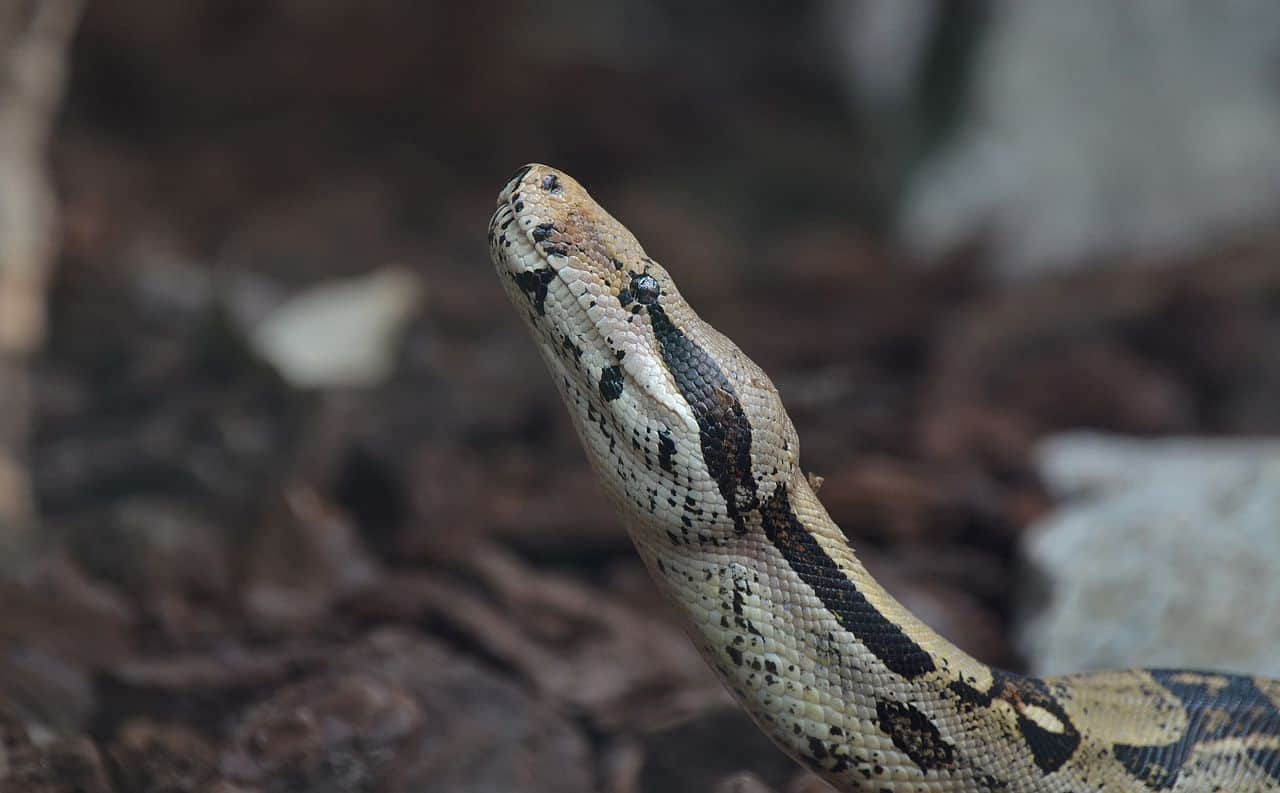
(585,285)
(667,407)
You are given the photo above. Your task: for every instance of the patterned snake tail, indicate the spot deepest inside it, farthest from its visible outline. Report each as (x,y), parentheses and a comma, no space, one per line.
(691,442)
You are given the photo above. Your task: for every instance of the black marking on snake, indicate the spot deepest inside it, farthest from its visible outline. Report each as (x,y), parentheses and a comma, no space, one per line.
(886,640)
(913,733)
(723,428)
(1048,748)
(666,448)
(556,250)
(1268,760)
(617,264)
(817,748)
(520,174)
(1218,707)
(534,284)
(551,183)
(572,348)
(611,383)
(624,297)
(518,205)
(506,223)
(541,231)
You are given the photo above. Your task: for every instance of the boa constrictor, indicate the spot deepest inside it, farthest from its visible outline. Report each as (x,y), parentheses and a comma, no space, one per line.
(690,440)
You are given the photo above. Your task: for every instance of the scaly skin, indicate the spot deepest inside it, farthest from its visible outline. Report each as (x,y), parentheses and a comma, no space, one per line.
(692,444)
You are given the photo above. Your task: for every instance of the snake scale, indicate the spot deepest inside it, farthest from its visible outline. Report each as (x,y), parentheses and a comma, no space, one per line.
(690,440)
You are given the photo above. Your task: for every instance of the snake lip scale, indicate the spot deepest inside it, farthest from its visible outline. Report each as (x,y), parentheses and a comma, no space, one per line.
(690,441)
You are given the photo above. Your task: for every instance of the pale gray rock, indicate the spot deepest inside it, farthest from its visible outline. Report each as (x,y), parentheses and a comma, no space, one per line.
(341,333)
(1163,553)
(884,46)
(1097,131)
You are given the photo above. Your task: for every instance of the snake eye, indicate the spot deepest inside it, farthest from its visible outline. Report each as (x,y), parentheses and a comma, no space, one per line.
(646,289)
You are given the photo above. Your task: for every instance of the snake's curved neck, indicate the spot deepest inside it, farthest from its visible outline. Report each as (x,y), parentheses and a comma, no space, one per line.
(798,629)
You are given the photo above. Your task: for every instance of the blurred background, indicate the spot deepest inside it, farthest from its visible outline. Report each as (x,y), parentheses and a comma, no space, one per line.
(288,503)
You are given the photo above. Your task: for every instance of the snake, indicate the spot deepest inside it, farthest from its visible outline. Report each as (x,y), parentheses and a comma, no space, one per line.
(690,441)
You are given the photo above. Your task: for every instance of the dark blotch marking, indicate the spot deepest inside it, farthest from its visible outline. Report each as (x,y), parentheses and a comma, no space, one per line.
(895,649)
(518,206)
(817,748)
(723,430)
(666,449)
(551,183)
(1218,707)
(646,289)
(1049,749)
(534,284)
(917,737)
(572,349)
(1268,760)
(624,297)
(735,654)
(617,265)
(611,383)
(542,231)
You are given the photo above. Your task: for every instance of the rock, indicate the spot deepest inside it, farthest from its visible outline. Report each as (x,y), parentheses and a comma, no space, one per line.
(1101,129)
(885,46)
(340,333)
(1166,554)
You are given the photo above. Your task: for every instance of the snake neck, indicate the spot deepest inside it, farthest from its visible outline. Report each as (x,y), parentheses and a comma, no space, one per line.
(815,649)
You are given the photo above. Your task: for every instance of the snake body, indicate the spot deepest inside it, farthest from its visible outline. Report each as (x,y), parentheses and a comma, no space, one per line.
(690,440)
